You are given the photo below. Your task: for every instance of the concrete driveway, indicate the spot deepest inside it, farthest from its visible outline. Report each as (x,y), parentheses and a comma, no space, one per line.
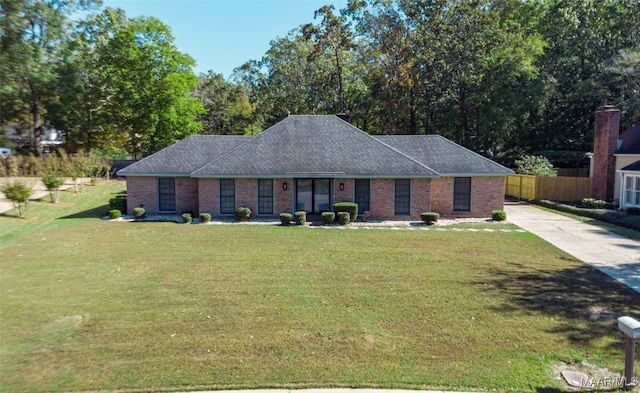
(612,254)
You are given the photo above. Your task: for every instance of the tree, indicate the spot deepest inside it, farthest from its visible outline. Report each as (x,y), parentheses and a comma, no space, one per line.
(32,31)
(228,110)
(150,84)
(535,166)
(333,35)
(18,193)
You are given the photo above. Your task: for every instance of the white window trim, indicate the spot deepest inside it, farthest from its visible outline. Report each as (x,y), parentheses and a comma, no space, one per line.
(626,177)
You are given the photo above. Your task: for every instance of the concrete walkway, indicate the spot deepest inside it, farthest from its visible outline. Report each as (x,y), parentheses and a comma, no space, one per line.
(612,254)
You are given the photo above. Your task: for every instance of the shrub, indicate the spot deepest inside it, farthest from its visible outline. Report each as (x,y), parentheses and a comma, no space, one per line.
(205,217)
(632,211)
(187,218)
(115,213)
(498,215)
(343,218)
(53,184)
(592,203)
(18,193)
(243,213)
(301,217)
(349,207)
(119,202)
(430,217)
(138,212)
(328,218)
(285,218)
(535,165)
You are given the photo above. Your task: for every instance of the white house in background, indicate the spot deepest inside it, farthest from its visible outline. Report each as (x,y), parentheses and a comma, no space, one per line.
(615,164)
(628,168)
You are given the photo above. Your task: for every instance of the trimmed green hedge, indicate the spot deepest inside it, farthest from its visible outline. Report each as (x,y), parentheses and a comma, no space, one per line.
(615,217)
(498,215)
(187,218)
(138,212)
(301,217)
(343,218)
(285,218)
(114,213)
(430,217)
(349,207)
(328,218)
(205,217)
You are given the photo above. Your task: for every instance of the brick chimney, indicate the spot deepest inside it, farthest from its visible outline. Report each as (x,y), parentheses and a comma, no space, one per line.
(605,143)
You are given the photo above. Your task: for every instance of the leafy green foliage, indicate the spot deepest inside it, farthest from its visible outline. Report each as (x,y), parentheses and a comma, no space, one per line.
(186,218)
(205,218)
(535,166)
(349,207)
(285,218)
(592,203)
(243,213)
(138,212)
(53,184)
(343,217)
(301,217)
(498,215)
(119,203)
(18,193)
(429,217)
(328,217)
(114,213)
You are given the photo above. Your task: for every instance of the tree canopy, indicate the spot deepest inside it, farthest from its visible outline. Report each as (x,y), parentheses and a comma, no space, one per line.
(501,77)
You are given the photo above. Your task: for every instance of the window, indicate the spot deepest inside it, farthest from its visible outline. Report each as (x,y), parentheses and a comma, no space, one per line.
(462,194)
(363,195)
(632,191)
(265,196)
(403,197)
(227,196)
(167,194)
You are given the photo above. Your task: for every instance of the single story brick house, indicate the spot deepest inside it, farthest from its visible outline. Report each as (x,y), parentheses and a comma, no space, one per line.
(310,162)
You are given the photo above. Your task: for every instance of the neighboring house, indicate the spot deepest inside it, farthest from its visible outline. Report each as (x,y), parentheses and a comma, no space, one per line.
(310,162)
(616,160)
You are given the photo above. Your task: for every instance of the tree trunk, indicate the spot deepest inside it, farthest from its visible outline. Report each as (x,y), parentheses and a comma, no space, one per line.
(38,129)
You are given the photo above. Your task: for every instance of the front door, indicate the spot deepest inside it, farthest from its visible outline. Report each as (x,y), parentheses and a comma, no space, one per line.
(312,195)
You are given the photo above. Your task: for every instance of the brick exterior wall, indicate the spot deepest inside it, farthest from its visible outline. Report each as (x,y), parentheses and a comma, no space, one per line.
(346,195)
(442,195)
(487,195)
(283,199)
(208,197)
(187,195)
(247,194)
(201,196)
(383,199)
(142,192)
(606,133)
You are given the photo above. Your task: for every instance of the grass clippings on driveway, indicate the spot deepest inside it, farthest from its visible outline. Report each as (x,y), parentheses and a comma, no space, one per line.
(95,305)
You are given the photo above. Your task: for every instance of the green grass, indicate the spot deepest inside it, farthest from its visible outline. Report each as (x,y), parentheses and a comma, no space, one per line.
(96,305)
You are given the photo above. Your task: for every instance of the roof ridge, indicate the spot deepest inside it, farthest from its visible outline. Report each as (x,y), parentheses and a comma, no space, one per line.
(249,139)
(390,147)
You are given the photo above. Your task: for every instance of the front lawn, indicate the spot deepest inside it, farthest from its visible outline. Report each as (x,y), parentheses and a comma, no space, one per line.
(87,304)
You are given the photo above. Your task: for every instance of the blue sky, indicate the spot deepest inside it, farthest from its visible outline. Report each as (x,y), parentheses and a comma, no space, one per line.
(223,34)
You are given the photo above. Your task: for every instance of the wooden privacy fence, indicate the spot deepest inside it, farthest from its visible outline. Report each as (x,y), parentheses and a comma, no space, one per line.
(551,188)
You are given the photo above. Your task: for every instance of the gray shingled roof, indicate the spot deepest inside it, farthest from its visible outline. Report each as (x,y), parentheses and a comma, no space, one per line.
(630,141)
(185,156)
(445,157)
(635,167)
(315,146)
